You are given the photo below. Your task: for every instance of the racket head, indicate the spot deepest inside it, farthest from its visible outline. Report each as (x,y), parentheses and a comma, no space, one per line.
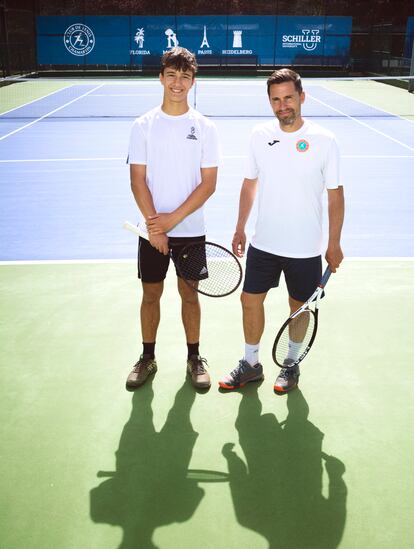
(301,330)
(209,269)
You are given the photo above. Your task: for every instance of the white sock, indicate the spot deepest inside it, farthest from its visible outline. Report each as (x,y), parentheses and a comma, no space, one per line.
(251,354)
(294,349)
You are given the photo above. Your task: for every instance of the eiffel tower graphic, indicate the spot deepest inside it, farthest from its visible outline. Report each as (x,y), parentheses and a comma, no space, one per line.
(205,41)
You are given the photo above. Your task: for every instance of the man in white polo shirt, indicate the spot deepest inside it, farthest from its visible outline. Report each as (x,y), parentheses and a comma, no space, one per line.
(173,157)
(291,163)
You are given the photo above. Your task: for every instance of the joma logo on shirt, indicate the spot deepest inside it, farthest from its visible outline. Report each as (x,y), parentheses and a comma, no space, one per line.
(192,134)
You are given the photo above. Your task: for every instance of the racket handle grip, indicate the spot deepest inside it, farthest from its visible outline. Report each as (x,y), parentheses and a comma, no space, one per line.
(325,277)
(130,227)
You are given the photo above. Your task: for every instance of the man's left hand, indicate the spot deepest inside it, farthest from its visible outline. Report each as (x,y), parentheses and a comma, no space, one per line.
(160,223)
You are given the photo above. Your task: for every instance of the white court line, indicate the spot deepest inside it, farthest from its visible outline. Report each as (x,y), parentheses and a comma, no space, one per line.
(224,157)
(66,261)
(377,156)
(91,159)
(379,258)
(155,94)
(232,82)
(343,156)
(133,261)
(49,113)
(362,123)
(230,94)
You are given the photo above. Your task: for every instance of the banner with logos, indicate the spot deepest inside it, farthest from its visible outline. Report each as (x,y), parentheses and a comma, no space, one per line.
(139,40)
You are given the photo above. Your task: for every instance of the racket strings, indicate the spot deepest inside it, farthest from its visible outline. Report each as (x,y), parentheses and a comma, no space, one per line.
(210,269)
(295,338)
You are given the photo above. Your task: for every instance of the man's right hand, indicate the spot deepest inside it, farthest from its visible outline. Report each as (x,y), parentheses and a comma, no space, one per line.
(159,242)
(239,243)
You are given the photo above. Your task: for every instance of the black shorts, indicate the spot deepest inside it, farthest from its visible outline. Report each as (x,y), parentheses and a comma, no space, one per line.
(153,265)
(263,272)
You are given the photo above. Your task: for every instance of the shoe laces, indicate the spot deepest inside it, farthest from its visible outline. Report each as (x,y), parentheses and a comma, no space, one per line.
(239,370)
(198,365)
(143,362)
(286,373)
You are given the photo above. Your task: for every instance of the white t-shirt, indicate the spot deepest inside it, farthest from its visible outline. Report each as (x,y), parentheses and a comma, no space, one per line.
(293,170)
(174,149)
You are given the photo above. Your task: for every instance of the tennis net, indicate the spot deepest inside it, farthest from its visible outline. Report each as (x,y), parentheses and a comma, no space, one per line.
(35,98)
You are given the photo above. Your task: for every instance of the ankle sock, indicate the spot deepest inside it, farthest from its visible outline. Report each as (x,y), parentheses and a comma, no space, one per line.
(148,349)
(192,349)
(251,354)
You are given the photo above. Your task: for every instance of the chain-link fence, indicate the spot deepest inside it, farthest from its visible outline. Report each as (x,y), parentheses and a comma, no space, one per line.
(380,35)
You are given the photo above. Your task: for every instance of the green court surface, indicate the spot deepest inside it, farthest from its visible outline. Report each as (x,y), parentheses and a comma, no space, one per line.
(30,90)
(375,93)
(86,464)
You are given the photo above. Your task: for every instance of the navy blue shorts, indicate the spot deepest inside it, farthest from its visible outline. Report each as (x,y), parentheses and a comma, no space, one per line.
(263,272)
(152,264)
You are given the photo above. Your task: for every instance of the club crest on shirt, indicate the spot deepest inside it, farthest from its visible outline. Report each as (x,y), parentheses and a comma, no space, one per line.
(192,134)
(302,146)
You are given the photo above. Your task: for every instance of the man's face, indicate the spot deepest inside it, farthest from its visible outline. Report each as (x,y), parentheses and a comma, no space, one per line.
(176,84)
(286,103)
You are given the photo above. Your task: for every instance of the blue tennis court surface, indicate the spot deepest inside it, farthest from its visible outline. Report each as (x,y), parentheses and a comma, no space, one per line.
(90,465)
(65,185)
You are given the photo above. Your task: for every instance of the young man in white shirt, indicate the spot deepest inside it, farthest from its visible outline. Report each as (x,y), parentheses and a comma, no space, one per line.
(173,157)
(291,163)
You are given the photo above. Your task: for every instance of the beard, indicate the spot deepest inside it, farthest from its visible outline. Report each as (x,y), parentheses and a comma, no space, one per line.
(289,119)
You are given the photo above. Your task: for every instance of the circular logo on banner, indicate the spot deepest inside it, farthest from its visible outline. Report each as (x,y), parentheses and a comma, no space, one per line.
(302,145)
(79,39)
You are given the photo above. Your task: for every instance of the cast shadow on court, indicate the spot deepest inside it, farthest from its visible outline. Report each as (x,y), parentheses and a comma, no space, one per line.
(150,487)
(278,492)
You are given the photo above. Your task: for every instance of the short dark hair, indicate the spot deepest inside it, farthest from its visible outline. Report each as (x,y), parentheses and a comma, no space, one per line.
(284,75)
(180,59)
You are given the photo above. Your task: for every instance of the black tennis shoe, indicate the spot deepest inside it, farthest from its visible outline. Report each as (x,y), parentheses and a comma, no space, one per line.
(242,374)
(287,380)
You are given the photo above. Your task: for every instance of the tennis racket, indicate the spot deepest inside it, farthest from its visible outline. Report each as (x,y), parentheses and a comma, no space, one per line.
(206,267)
(196,475)
(297,334)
